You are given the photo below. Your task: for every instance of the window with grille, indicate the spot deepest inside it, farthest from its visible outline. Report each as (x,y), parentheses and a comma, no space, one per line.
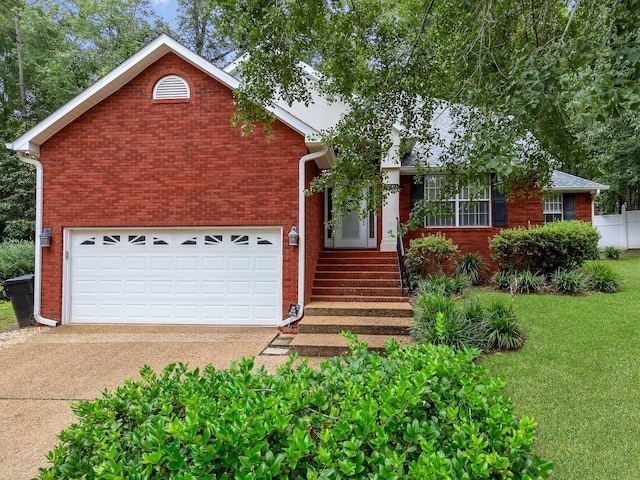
(171,87)
(470,207)
(552,207)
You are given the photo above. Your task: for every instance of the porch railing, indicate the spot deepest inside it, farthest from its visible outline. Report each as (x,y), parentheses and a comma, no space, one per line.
(400,251)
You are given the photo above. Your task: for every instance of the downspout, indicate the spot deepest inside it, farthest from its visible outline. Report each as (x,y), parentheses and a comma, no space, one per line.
(37,294)
(302,231)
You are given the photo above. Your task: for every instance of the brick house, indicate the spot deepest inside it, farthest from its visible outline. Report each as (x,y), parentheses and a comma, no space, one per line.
(160,212)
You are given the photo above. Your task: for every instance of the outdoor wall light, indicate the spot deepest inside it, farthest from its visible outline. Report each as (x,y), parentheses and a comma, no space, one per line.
(293,236)
(45,238)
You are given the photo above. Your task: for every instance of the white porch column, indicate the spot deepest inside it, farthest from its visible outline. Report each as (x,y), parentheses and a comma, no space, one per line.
(391,208)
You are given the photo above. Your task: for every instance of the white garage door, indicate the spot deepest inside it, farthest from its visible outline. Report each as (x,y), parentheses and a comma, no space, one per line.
(167,276)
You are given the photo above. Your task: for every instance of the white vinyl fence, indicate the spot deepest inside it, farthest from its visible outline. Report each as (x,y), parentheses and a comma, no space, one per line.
(622,230)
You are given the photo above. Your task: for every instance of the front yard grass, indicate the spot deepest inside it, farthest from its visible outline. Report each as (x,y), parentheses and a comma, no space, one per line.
(7,318)
(578,376)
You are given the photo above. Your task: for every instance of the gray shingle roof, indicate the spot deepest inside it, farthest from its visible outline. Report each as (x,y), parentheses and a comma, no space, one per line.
(561,181)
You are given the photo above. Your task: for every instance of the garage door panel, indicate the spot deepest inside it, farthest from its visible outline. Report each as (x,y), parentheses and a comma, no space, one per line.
(213,287)
(266,288)
(135,287)
(205,276)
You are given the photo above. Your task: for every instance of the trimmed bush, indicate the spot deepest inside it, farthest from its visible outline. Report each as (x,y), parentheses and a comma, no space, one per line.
(418,412)
(545,249)
(429,255)
(17,257)
(571,282)
(612,253)
(602,278)
(470,265)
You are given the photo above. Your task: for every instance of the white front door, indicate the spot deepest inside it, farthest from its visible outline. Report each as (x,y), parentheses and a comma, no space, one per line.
(352,232)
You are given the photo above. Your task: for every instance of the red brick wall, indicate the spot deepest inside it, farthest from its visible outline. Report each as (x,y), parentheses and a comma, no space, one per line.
(522,210)
(132,161)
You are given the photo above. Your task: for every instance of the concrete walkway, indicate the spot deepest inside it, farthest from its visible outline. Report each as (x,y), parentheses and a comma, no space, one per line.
(52,367)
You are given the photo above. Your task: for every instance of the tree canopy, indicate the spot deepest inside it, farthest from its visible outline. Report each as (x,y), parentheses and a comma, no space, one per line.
(564,72)
(509,69)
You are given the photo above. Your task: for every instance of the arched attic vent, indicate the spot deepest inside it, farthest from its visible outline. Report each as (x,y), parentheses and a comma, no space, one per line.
(171,87)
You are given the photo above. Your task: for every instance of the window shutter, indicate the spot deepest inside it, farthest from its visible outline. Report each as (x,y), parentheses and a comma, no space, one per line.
(569,206)
(498,208)
(417,190)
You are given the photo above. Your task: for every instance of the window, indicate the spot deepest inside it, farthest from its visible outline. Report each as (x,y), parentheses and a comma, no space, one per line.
(171,87)
(468,208)
(552,207)
(559,206)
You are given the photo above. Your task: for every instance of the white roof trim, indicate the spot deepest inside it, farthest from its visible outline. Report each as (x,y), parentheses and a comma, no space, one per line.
(120,76)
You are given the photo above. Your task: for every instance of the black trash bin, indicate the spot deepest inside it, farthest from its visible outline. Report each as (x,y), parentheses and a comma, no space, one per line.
(20,292)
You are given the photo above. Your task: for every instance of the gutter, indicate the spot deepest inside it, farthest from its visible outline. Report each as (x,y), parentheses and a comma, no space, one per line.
(302,232)
(37,296)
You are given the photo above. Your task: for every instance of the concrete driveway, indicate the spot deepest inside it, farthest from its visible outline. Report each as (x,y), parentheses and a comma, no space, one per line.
(52,367)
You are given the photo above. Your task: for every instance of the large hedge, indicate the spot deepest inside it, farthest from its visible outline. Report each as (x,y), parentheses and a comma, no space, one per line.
(17,258)
(547,248)
(418,412)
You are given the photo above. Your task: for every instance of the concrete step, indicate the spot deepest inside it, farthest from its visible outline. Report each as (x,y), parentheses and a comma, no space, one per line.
(395,308)
(329,345)
(359,325)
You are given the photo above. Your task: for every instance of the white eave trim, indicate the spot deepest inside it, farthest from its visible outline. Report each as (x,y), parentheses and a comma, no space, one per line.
(120,76)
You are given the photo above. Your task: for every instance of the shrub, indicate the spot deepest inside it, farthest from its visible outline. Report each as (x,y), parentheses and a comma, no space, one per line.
(502,279)
(470,265)
(449,286)
(602,278)
(429,254)
(438,320)
(409,414)
(612,253)
(429,304)
(17,257)
(527,282)
(503,330)
(572,282)
(547,248)
(441,320)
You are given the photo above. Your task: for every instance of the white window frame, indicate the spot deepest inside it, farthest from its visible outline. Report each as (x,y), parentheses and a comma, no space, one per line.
(553,207)
(468,203)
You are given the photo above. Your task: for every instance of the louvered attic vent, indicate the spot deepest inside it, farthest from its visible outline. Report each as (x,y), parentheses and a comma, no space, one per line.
(171,87)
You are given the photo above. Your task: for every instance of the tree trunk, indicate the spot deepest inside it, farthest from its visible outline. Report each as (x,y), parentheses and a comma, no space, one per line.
(23,90)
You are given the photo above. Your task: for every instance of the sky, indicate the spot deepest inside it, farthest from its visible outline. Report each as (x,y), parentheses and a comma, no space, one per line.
(166,9)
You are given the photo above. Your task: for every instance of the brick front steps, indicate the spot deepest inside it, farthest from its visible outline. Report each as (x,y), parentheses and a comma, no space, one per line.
(357,276)
(374,323)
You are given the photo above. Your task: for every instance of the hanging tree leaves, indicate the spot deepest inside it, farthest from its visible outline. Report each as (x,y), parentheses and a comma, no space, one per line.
(507,70)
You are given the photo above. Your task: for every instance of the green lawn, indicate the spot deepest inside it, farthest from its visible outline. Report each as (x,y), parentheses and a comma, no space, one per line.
(578,376)
(7,318)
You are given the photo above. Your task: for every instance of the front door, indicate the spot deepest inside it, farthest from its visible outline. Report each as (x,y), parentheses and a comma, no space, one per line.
(352,232)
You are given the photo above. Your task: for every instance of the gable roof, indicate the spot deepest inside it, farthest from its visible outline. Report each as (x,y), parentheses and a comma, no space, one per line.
(120,76)
(565,182)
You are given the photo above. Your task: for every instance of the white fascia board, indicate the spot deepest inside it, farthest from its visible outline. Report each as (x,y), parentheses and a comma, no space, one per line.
(576,189)
(119,77)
